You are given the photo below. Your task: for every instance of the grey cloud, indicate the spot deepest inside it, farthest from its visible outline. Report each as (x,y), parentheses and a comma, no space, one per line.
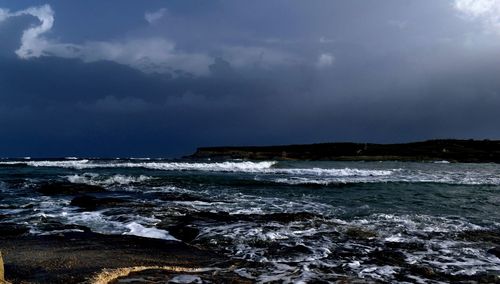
(153,17)
(132,52)
(486,11)
(149,54)
(32,42)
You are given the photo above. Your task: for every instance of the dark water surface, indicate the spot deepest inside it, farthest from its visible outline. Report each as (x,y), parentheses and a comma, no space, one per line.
(289,221)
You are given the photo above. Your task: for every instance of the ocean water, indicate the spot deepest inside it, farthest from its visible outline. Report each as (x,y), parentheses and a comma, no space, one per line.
(287,221)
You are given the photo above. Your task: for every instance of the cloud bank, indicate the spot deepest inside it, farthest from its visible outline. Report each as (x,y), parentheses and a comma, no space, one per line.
(33,44)
(150,54)
(486,11)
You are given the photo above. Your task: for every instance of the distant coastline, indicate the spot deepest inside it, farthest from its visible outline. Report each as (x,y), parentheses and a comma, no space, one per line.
(451,150)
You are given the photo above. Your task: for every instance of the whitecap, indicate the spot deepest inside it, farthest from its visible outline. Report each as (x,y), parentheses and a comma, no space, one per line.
(95,179)
(76,164)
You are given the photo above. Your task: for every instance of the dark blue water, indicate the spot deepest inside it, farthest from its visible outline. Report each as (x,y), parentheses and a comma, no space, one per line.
(295,221)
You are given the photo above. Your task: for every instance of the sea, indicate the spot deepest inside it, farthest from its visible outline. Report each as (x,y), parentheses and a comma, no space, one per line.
(282,221)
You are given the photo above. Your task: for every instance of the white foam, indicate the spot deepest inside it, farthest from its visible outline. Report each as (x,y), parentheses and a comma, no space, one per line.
(264,170)
(378,272)
(96,221)
(76,164)
(239,166)
(86,178)
(169,166)
(95,179)
(396,175)
(441,162)
(137,229)
(221,166)
(345,172)
(395,239)
(354,264)
(185,278)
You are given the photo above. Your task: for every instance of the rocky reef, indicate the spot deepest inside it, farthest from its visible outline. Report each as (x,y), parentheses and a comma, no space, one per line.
(77,257)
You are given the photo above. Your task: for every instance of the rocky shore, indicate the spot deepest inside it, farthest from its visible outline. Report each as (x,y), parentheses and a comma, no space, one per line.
(464,151)
(78,257)
(85,257)
(69,253)
(232,228)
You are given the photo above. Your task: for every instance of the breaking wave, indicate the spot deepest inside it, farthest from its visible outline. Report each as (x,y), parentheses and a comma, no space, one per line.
(96,179)
(280,172)
(170,166)
(244,167)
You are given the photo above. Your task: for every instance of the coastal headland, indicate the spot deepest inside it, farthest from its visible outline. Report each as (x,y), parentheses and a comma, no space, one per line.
(452,150)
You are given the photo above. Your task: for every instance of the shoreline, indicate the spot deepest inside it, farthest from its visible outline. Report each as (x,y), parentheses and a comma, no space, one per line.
(76,257)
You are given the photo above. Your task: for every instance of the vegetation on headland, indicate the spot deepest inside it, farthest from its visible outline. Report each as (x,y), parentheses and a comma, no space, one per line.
(452,150)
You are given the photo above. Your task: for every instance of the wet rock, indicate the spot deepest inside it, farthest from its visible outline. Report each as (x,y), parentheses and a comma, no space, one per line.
(389,257)
(180,197)
(475,278)
(423,271)
(75,257)
(406,246)
(157,276)
(495,251)
(360,234)
(67,188)
(90,203)
(298,249)
(184,233)
(278,217)
(12,229)
(218,243)
(209,217)
(225,217)
(429,273)
(340,252)
(481,235)
(281,250)
(53,225)
(259,243)
(180,228)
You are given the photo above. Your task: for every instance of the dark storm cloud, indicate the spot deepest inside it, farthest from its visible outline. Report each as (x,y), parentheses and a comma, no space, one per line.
(242,74)
(70,106)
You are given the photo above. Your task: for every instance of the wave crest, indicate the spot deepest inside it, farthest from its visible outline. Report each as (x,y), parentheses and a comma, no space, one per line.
(95,179)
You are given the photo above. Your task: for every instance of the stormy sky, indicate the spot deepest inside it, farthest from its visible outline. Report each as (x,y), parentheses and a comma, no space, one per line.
(160,78)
